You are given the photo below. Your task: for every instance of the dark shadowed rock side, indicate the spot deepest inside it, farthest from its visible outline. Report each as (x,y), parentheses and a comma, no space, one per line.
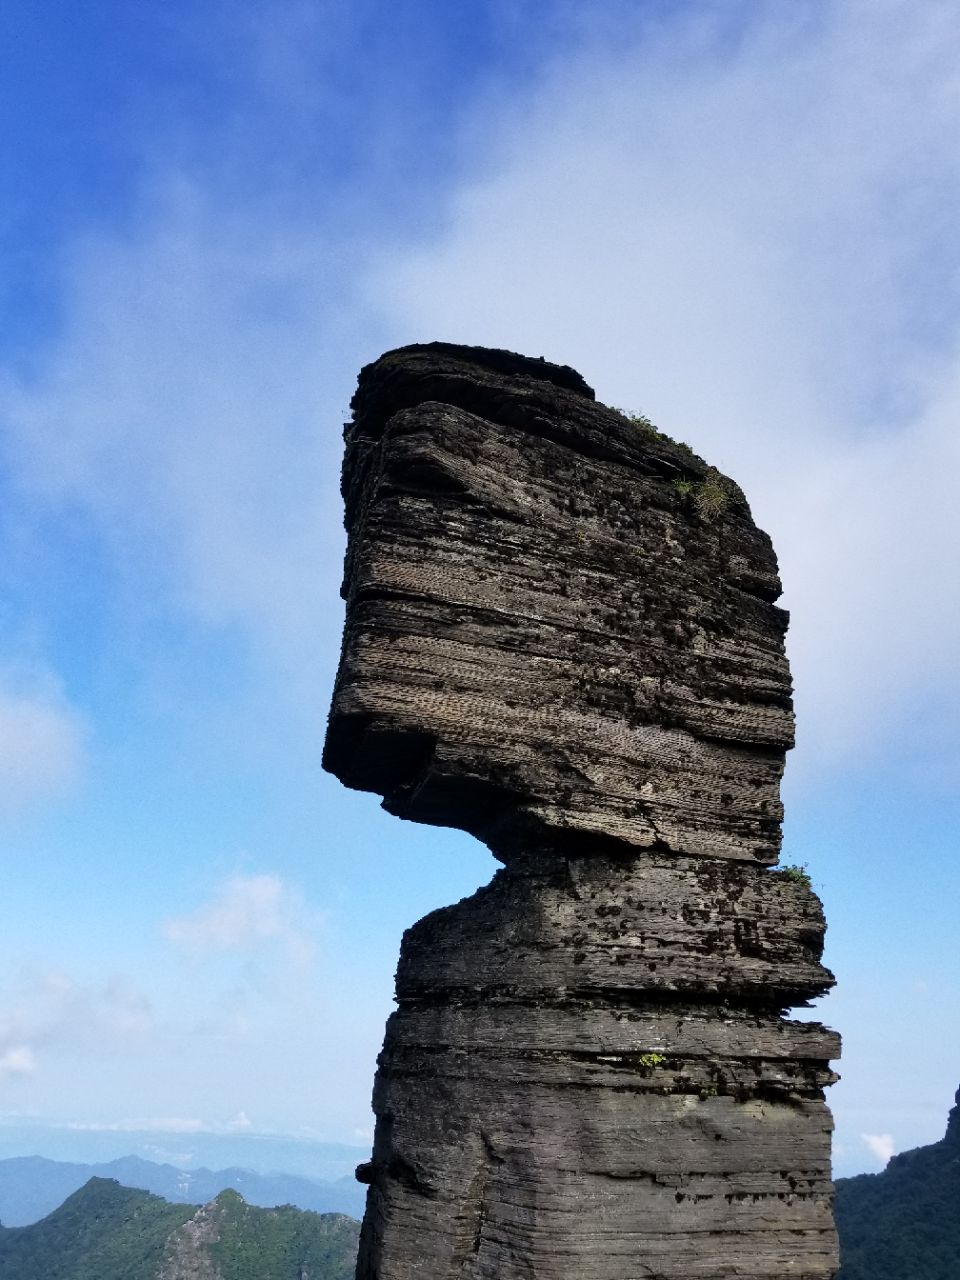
(562,636)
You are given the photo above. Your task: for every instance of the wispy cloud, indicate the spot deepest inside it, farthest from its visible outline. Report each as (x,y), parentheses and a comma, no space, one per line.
(737,226)
(149,1124)
(880,1145)
(46,1013)
(17,1060)
(741,229)
(189,402)
(245,913)
(41,740)
(191,410)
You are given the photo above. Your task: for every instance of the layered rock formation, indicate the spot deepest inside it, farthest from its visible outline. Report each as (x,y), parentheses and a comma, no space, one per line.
(562,636)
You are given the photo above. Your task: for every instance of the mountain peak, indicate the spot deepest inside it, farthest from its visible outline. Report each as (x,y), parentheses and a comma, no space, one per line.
(902,1224)
(118,1233)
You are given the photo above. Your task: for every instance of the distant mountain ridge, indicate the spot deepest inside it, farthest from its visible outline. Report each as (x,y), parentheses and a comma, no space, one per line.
(904,1223)
(76,1142)
(32,1186)
(107,1232)
(901,1224)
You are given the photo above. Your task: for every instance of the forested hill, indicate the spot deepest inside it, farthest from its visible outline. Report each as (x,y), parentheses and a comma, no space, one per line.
(108,1232)
(904,1223)
(31,1186)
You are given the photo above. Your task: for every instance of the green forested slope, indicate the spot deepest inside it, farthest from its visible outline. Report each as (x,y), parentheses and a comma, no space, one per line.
(904,1223)
(101,1232)
(255,1243)
(108,1232)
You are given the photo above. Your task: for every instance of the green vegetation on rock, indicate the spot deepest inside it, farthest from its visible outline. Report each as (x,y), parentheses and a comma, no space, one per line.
(795,874)
(256,1243)
(641,421)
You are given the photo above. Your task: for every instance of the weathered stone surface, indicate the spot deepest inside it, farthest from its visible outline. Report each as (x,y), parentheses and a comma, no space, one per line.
(661,923)
(546,635)
(562,636)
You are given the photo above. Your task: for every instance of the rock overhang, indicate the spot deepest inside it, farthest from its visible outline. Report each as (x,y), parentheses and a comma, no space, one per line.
(562,636)
(546,631)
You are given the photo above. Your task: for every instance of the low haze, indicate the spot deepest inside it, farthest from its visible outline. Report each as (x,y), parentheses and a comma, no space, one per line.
(737,218)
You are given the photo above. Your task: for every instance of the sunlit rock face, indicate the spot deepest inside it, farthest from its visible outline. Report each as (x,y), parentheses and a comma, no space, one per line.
(562,636)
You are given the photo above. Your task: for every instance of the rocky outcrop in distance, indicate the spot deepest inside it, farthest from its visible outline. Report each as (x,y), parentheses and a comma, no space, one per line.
(562,636)
(902,1224)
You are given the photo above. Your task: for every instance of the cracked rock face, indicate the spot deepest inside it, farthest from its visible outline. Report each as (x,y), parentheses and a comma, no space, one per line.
(562,636)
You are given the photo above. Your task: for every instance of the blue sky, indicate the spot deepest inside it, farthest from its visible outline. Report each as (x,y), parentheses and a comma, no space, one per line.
(739,219)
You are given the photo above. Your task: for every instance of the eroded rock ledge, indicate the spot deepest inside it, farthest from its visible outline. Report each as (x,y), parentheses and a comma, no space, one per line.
(562,636)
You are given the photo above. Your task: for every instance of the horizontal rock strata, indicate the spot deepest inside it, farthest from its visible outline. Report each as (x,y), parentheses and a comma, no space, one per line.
(562,636)
(530,572)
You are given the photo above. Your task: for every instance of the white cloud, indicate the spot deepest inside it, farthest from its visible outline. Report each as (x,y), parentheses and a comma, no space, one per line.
(247,912)
(189,401)
(49,1006)
(747,239)
(17,1060)
(192,409)
(41,741)
(737,226)
(151,1124)
(880,1145)
(46,1014)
